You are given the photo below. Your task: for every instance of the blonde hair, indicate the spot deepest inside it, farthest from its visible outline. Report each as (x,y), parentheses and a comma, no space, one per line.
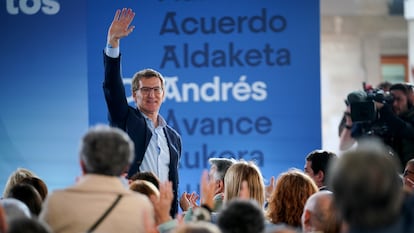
(239,172)
(288,199)
(144,187)
(15,178)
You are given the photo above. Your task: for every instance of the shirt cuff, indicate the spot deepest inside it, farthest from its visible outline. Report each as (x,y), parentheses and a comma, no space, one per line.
(112,52)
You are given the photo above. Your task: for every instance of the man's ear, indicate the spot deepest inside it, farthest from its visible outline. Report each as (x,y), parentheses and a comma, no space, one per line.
(306,221)
(134,95)
(220,185)
(320,176)
(83,167)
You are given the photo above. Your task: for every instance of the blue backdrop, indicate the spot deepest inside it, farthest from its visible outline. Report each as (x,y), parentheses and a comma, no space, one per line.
(242,80)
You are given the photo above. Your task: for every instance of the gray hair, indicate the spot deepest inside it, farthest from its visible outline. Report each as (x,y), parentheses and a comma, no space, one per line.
(106,150)
(222,164)
(366,185)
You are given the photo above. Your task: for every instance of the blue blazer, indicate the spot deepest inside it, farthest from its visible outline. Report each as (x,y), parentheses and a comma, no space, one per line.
(131,120)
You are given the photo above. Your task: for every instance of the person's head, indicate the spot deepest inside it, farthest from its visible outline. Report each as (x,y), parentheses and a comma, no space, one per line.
(28,225)
(289,196)
(14,208)
(197,227)
(16,177)
(148,90)
(38,184)
(320,214)
(410,89)
(106,150)
(144,187)
(28,195)
(148,176)
(400,94)
(385,86)
(239,172)
(408,176)
(3,222)
(366,186)
(316,165)
(241,216)
(218,169)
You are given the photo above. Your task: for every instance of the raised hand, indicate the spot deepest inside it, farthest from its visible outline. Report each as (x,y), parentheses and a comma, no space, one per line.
(162,205)
(193,197)
(207,190)
(120,26)
(184,201)
(188,200)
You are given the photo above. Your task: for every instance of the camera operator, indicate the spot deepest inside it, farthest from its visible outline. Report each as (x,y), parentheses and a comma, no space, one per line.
(396,121)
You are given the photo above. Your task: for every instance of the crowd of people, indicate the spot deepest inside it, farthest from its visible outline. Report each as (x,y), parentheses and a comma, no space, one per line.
(362,190)
(130,174)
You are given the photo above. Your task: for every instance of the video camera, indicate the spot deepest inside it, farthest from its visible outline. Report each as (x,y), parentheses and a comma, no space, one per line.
(363,103)
(364,112)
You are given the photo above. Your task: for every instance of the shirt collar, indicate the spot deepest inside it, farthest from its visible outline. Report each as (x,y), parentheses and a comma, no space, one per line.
(161,122)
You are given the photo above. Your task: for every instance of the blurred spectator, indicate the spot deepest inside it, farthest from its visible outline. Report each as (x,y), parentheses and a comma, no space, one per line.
(148,176)
(28,195)
(14,208)
(99,200)
(385,86)
(144,187)
(38,184)
(28,225)
(368,190)
(197,227)
(15,178)
(241,216)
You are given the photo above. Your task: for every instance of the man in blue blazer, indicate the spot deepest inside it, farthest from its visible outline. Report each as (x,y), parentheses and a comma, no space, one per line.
(157,145)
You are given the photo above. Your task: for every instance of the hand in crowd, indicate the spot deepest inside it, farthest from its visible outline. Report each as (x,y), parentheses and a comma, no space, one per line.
(207,190)
(188,200)
(162,205)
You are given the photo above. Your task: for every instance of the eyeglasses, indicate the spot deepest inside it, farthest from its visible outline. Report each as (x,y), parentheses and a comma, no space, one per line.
(147,90)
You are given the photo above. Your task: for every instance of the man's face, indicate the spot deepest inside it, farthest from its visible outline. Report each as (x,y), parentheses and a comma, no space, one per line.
(212,173)
(147,98)
(400,103)
(409,177)
(308,169)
